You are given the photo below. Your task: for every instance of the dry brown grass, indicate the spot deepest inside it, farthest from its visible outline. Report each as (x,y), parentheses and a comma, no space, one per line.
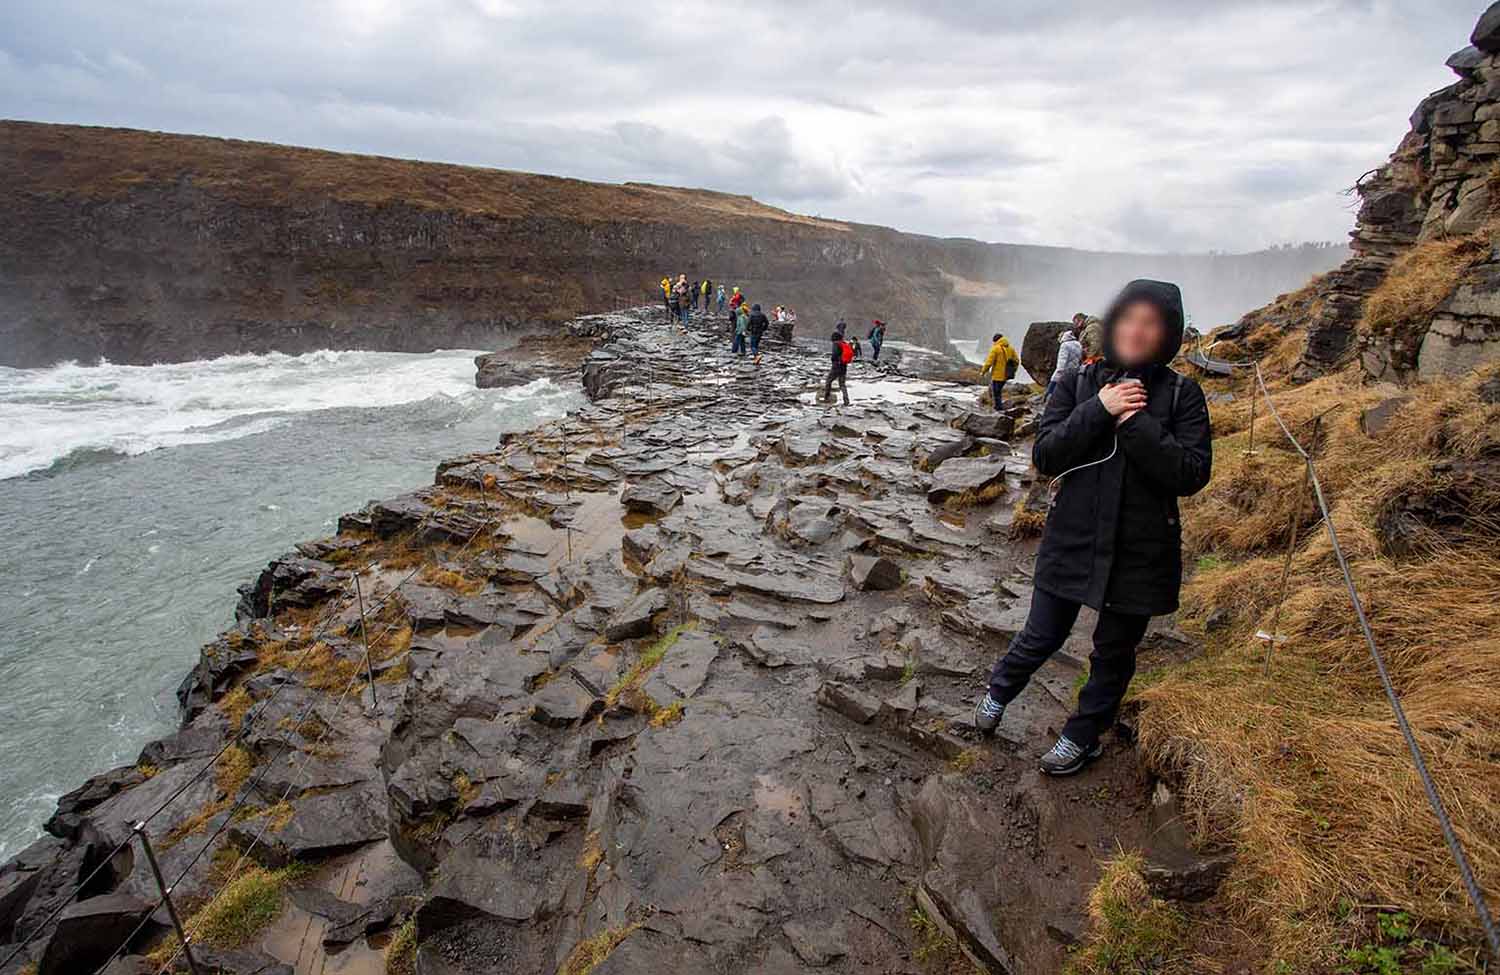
(1131,932)
(1305,771)
(590,953)
(1418,282)
(231,772)
(451,579)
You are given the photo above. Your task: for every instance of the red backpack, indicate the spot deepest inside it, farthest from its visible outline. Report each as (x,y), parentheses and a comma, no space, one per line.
(846,352)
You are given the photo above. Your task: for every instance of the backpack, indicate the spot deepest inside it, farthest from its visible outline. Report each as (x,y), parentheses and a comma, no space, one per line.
(846,352)
(1011,365)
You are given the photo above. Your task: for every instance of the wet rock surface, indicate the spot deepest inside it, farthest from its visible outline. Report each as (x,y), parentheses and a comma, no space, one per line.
(685,674)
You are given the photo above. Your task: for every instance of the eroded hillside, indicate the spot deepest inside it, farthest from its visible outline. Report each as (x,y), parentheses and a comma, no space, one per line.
(143,247)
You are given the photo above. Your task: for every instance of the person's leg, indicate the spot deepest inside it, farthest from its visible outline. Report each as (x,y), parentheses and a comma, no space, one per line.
(1048,623)
(828,386)
(997,392)
(844,387)
(1111,666)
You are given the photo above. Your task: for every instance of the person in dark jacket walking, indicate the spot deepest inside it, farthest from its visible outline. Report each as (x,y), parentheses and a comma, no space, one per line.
(1127,437)
(877,339)
(758,325)
(838,366)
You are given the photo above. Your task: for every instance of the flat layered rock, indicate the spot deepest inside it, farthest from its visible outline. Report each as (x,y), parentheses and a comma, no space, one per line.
(962,475)
(653,497)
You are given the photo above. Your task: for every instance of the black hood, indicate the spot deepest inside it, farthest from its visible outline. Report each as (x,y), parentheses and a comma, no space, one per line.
(1168,300)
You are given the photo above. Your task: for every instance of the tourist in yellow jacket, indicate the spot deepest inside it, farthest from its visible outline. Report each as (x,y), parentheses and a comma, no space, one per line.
(1000,365)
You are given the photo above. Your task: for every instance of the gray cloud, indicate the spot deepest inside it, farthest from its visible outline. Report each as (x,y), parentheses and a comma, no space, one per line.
(1163,124)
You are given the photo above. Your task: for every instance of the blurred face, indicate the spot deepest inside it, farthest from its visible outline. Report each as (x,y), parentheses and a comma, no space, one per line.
(1138,335)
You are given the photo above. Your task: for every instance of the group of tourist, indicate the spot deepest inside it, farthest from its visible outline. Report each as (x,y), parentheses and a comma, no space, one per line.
(748,323)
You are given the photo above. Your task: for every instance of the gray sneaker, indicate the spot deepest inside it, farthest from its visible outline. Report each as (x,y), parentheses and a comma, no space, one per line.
(987,715)
(1066,757)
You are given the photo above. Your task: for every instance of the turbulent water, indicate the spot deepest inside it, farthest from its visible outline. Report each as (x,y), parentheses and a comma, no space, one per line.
(135,499)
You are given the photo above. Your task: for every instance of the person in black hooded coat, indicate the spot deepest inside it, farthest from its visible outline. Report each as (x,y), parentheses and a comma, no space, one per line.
(1127,437)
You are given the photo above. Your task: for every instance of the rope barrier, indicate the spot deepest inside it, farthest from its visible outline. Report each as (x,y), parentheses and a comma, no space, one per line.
(1429,786)
(247,726)
(327,726)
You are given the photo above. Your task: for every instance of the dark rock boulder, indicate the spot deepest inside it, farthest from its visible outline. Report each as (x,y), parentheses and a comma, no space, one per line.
(90,931)
(875,572)
(934,446)
(1465,61)
(849,701)
(1039,348)
(292,580)
(638,617)
(992,426)
(1486,35)
(71,806)
(496,370)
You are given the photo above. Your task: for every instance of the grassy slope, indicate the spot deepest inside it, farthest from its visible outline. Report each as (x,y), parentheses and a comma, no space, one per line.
(1304,771)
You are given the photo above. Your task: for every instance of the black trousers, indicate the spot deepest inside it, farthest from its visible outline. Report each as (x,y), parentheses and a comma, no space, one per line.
(835,375)
(997,390)
(1111,665)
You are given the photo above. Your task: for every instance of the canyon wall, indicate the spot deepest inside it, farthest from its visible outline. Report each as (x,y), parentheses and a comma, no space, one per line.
(143,247)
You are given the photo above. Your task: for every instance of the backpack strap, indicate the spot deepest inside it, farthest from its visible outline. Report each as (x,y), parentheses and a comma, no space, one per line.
(1080,391)
(1176,392)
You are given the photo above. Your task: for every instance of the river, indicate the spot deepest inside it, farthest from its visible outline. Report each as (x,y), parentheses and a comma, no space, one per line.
(134,500)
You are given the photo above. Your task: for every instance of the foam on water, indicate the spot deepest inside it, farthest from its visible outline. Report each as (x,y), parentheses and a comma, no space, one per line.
(50,415)
(114,575)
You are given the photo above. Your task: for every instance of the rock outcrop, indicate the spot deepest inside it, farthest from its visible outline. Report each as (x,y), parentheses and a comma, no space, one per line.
(712,726)
(145,247)
(1438,187)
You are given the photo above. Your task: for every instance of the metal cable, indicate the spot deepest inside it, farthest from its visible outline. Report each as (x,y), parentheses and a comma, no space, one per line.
(177,793)
(246,727)
(308,754)
(1439,810)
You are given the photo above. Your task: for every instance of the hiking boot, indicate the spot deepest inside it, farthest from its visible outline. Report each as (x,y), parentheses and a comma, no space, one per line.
(987,715)
(1066,758)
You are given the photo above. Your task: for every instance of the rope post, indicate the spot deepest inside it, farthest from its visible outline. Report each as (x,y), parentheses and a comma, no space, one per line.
(365,636)
(1254,390)
(1274,636)
(166,896)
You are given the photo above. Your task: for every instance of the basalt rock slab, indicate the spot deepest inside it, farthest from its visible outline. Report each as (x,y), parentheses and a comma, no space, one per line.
(684,669)
(960,891)
(637,618)
(849,701)
(320,825)
(653,497)
(962,475)
(564,701)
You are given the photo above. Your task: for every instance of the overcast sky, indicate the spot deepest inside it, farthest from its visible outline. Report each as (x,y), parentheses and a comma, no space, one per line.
(1119,124)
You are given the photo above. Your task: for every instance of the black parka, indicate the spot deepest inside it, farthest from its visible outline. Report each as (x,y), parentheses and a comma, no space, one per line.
(1114,537)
